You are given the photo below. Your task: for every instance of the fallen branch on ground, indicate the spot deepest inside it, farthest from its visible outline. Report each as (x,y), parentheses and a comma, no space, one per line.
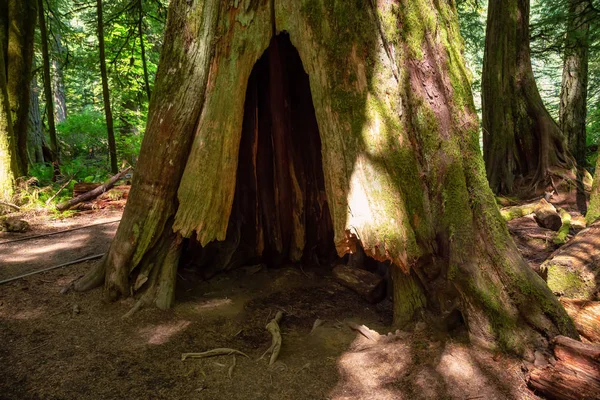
(93,193)
(60,190)
(273,328)
(11,205)
(213,353)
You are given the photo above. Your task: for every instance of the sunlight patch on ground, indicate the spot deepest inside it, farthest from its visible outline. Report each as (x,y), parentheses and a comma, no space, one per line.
(160,334)
(212,304)
(370,370)
(27,314)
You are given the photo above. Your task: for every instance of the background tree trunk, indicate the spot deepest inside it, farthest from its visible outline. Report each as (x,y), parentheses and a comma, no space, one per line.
(143,47)
(403,173)
(521,141)
(35,137)
(593,211)
(19,58)
(60,102)
(54,147)
(573,94)
(112,147)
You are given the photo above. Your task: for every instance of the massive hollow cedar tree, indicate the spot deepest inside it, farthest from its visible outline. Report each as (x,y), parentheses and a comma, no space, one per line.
(281,129)
(522,143)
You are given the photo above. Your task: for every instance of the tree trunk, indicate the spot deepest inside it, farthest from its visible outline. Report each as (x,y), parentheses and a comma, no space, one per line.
(35,137)
(143,47)
(375,145)
(593,211)
(54,147)
(60,111)
(521,141)
(8,154)
(112,147)
(19,58)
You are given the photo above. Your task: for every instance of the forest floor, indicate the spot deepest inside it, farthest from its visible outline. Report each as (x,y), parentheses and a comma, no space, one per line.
(78,346)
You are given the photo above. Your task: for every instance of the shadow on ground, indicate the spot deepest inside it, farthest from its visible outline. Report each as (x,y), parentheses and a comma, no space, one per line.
(50,351)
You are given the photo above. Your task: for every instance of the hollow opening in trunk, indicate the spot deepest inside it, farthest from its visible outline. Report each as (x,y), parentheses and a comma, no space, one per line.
(280,211)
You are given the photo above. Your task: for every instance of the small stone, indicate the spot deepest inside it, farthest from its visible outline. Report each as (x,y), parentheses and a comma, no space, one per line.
(76,309)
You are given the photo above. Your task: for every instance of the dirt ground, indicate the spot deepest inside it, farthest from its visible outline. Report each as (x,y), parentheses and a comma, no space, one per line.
(78,346)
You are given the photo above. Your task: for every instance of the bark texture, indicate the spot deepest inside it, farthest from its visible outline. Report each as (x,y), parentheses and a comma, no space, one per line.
(402,172)
(19,56)
(35,137)
(60,102)
(112,146)
(54,149)
(8,156)
(522,143)
(573,94)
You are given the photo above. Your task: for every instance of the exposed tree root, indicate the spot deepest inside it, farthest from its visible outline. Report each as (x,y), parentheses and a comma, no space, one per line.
(273,328)
(230,371)
(213,353)
(363,330)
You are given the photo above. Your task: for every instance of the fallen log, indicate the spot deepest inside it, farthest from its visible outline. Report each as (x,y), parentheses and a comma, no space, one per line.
(586,316)
(574,376)
(546,216)
(571,271)
(510,213)
(370,286)
(92,193)
(563,232)
(84,187)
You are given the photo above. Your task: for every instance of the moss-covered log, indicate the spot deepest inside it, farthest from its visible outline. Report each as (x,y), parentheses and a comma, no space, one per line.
(399,170)
(521,141)
(573,271)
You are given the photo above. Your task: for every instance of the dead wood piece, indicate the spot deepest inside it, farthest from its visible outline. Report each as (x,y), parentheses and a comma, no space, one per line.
(84,187)
(318,322)
(576,374)
(370,286)
(275,348)
(363,330)
(11,205)
(586,315)
(213,353)
(512,212)
(60,190)
(546,216)
(92,193)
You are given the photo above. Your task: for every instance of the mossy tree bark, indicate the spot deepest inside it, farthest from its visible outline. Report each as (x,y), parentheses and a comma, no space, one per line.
(402,172)
(19,57)
(8,154)
(521,141)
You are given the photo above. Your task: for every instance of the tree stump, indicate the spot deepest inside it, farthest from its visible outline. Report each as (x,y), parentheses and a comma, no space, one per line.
(576,374)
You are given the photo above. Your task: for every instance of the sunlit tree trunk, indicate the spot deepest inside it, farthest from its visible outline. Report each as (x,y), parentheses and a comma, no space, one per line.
(54,146)
(521,141)
(19,56)
(112,147)
(222,166)
(8,156)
